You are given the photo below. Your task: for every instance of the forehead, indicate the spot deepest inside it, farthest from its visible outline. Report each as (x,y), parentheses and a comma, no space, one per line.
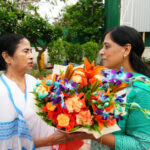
(108,39)
(23,43)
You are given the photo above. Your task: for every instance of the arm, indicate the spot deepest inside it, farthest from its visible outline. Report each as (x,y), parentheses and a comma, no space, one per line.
(108,139)
(56,138)
(137,127)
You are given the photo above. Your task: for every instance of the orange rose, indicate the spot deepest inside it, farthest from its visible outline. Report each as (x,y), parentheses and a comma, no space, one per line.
(63,120)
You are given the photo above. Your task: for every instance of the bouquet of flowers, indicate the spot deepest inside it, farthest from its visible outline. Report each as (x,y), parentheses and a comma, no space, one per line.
(89,99)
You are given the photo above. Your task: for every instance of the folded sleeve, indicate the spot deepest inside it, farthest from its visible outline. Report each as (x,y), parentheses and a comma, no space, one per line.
(137,127)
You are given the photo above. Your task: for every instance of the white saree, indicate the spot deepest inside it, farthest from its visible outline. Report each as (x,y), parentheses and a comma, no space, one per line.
(17,131)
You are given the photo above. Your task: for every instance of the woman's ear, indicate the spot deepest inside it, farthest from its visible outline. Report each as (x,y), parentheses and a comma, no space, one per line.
(6,57)
(127,48)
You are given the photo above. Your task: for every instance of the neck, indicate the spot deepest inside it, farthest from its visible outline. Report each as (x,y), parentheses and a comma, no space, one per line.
(14,75)
(127,66)
(17,77)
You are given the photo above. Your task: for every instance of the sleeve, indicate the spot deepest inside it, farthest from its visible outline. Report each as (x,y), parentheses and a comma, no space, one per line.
(137,126)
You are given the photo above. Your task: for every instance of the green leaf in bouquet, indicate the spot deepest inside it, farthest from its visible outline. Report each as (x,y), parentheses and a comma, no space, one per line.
(61,72)
(72,92)
(43,116)
(84,89)
(40,105)
(75,128)
(105,124)
(96,127)
(94,86)
(88,95)
(88,127)
(48,121)
(111,96)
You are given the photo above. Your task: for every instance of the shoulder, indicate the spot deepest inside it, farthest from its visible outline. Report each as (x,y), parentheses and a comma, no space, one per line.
(30,81)
(2,86)
(139,95)
(30,78)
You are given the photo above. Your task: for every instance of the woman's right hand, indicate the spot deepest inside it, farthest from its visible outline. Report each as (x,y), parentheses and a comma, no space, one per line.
(57,137)
(60,137)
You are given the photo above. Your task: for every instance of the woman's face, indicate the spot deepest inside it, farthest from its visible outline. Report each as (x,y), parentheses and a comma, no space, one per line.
(22,60)
(112,54)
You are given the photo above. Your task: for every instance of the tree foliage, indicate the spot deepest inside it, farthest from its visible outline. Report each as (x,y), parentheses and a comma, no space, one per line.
(57,52)
(9,17)
(61,51)
(35,28)
(90,50)
(85,20)
(32,26)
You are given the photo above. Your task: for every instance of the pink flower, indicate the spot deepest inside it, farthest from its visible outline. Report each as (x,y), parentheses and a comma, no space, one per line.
(74,104)
(84,118)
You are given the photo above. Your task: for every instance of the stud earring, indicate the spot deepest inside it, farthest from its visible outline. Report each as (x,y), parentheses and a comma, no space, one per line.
(124,56)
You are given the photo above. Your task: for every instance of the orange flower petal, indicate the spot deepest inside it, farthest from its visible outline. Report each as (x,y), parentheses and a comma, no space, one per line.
(119,87)
(101,125)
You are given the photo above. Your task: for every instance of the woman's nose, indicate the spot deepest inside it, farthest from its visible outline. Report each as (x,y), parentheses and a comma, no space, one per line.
(101,51)
(30,55)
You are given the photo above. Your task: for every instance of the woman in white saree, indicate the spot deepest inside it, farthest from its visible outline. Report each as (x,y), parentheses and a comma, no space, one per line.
(20,127)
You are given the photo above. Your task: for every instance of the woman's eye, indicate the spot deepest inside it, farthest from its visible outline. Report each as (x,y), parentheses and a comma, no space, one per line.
(26,51)
(106,46)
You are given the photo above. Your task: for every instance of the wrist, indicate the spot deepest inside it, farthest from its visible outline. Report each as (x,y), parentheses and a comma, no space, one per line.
(41,142)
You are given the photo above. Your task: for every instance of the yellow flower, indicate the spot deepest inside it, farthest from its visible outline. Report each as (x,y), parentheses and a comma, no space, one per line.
(50,106)
(84,118)
(99,77)
(73,104)
(63,120)
(76,78)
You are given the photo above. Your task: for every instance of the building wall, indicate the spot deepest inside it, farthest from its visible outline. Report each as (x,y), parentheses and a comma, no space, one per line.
(112,14)
(135,13)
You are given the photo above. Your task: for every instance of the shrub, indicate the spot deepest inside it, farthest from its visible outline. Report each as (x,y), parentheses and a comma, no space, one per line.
(74,53)
(90,50)
(56,52)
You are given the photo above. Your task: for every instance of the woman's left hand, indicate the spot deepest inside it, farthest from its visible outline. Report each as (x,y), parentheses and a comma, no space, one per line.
(82,136)
(60,137)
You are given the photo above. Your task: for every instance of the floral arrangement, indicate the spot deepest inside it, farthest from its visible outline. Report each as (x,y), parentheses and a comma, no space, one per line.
(84,98)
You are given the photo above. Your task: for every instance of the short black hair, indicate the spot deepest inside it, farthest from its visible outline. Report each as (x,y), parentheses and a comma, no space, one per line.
(8,43)
(123,35)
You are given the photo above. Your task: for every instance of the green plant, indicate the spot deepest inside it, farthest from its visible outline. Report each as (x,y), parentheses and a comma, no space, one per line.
(85,21)
(38,74)
(61,51)
(57,52)
(74,53)
(90,50)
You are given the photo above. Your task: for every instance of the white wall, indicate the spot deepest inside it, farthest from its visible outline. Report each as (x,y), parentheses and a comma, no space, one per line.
(135,13)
